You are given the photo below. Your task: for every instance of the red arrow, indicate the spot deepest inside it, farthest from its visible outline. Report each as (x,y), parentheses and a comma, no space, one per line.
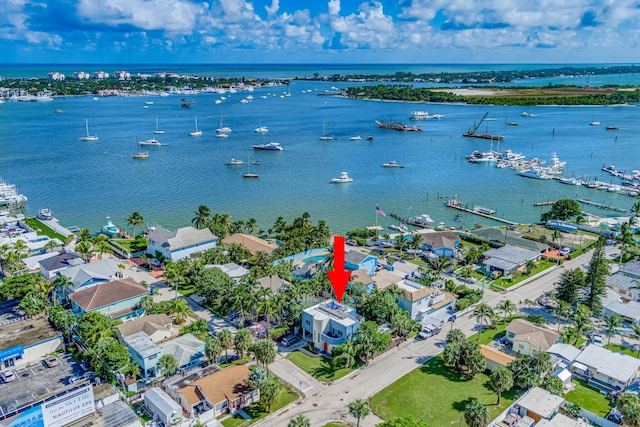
(338,277)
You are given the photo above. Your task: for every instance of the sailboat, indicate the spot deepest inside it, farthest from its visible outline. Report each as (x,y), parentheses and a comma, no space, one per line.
(196,132)
(249,174)
(222,131)
(140,154)
(86,136)
(324,136)
(158,131)
(260,128)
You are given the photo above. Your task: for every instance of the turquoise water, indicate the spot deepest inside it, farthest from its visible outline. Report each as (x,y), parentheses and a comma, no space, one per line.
(82,182)
(317,258)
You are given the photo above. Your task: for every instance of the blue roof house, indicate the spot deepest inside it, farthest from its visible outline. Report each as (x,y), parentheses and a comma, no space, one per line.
(356,260)
(329,324)
(443,243)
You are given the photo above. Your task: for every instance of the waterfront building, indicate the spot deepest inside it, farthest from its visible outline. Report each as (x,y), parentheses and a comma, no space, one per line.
(182,243)
(253,244)
(605,369)
(122,75)
(55,75)
(81,75)
(57,263)
(356,260)
(329,324)
(441,243)
(100,75)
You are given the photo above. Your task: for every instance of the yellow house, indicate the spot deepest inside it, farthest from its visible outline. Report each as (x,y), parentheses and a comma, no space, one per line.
(529,339)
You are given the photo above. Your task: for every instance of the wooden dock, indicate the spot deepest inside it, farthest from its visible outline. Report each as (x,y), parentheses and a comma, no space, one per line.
(457,204)
(547,203)
(601,205)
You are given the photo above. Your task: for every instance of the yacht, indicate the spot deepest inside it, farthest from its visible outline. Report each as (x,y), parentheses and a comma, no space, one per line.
(196,132)
(222,131)
(525,114)
(392,164)
(261,129)
(535,173)
(355,138)
(44,214)
(234,162)
(109,229)
(482,157)
(272,146)
(343,178)
(570,181)
(594,123)
(152,142)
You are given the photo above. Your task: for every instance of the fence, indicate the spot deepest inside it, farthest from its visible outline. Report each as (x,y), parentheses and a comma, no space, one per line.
(597,420)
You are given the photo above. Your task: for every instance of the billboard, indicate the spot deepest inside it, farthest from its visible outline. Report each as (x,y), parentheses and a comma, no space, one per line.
(68,408)
(57,412)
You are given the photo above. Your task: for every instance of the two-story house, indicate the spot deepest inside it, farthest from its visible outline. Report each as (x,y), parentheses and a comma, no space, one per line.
(356,260)
(425,302)
(329,324)
(179,244)
(145,353)
(158,327)
(441,243)
(186,349)
(118,299)
(52,266)
(86,275)
(529,339)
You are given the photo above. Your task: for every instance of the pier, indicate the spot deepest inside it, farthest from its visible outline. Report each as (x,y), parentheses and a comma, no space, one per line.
(601,205)
(410,221)
(547,203)
(457,204)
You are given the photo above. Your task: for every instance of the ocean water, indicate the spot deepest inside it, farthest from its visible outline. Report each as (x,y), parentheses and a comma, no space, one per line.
(82,182)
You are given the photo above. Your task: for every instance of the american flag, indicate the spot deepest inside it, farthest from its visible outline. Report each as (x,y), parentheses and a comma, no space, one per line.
(380,211)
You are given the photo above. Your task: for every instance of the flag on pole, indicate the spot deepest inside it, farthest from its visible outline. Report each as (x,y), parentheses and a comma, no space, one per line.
(380,211)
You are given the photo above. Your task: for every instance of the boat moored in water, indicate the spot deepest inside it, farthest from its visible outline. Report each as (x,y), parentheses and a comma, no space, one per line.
(110,229)
(343,178)
(392,164)
(272,146)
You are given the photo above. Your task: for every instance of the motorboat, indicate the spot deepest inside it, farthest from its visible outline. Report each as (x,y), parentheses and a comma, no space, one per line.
(594,123)
(44,214)
(369,138)
(424,115)
(261,129)
(570,181)
(355,138)
(152,142)
(109,229)
(611,127)
(272,146)
(343,178)
(234,162)
(392,164)
(525,114)
(86,136)
(482,157)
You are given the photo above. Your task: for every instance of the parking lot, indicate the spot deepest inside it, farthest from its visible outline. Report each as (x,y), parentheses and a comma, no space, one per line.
(35,380)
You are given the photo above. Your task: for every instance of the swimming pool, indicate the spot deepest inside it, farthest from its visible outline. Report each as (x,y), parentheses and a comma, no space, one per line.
(316,258)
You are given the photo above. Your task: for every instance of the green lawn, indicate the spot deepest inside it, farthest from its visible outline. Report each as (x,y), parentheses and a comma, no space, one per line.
(621,349)
(488,334)
(41,228)
(319,367)
(242,361)
(447,392)
(540,266)
(589,398)
(257,411)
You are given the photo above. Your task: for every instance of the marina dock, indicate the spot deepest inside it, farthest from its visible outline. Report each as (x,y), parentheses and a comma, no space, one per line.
(601,205)
(457,204)
(547,203)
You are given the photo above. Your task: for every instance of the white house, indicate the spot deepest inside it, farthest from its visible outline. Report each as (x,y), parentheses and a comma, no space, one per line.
(424,302)
(122,75)
(57,263)
(86,275)
(55,75)
(81,75)
(613,303)
(99,75)
(182,243)
(605,369)
(329,324)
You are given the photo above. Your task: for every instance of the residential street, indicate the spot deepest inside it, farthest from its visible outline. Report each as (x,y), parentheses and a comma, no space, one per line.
(325,403)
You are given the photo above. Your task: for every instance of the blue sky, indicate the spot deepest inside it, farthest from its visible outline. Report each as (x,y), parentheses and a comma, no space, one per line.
(319,31)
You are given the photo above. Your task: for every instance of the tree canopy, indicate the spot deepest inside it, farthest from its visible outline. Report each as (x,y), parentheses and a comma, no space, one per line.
(563,209)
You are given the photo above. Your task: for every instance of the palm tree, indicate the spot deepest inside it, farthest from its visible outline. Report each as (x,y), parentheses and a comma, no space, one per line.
(182,309)
(345,352)
(394,292)
(476,414)
(50,246)
(483,313)
(582,321)
(506,307)
(101,245)
(174,275)
(61,285)
(212,349)
(299,421)
(611,325)
(202,218)
(168,364)
(34,304)
(226,341)
(85,249)
(266,305)
(359,409)
(242,342)
(135,220)
(441,264)
(501,380)
(251,225)
(265,352)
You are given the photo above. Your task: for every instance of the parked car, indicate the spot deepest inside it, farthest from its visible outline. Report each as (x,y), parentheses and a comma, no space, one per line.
(50,362)
(7,376)
(565,251)
(422,336)
(378,251)
(289,340)
(596,339)
(74,379)
(351,242)
(496,274)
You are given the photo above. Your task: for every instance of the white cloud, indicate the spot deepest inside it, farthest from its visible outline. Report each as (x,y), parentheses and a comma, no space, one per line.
(172,15)
(369,27)
(275,5)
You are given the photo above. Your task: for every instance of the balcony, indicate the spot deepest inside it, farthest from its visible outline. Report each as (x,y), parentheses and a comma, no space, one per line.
(332,340)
